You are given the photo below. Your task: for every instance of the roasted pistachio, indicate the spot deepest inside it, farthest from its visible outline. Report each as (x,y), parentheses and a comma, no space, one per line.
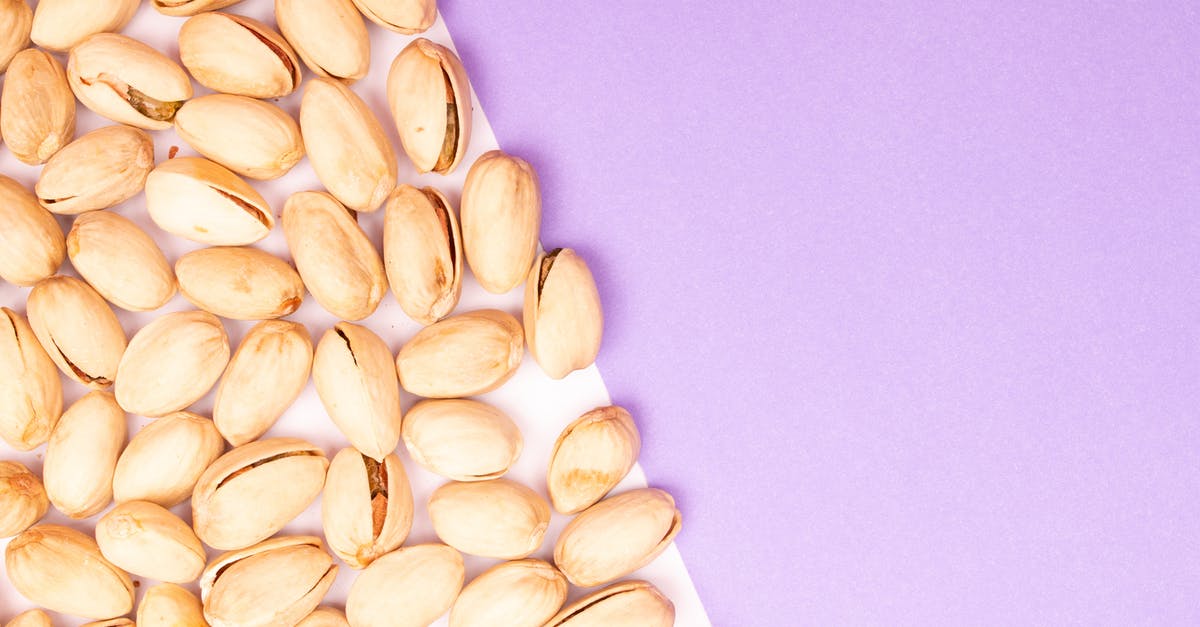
(190,7)
(99,170)
(524,593)
(202,201)
(30,390)
(330,36)
(346,145)
(169,605)
(563,319)
(253,138)
(625,604)
(367,507)
(266,374)
(32,246)
(16,18)
(165,459)
(171,363)
(234,54)
(32,618)
(120,260)
(148,540)
(356,380)
(592,455)
(23,500)
(403,16)
(409,587)
(59,25)
(430,99)
(461,439)
(324,617)
(463,355)
(422,252)
(78,330)
(501,216)
(616,536)
(239,283)
(39,108)
(82,455)
(127,81)
(277,582)
(62,570)
(497,518)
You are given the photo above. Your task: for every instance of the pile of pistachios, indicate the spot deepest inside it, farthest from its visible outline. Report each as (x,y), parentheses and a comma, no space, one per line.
(242,498)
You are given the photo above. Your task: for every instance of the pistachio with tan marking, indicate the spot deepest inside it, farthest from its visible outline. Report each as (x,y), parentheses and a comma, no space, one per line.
(147,540)
(266,374)
(253,138)
(329,36)
(346,145)
(617,536)
(16,19)
(203,201)
(463,355)
(127,81)
(39,108)
(30,389)
(430,99)
(422,252)
(239,283)
(590,457)
(62,570)
(563,319)
(523,593)
(498,518)
(277,582)
(403,16)
(23,499)
(234,54)
(501,216)
(366,508)
(171,363)
(78,329)
(99,170)
(120,261)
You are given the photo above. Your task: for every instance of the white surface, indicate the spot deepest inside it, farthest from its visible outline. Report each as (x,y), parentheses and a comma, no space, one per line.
(540,406)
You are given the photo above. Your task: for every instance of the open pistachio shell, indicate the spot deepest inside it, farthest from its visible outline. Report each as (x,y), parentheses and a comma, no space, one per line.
(563,319)
(202,201)
(592,455)
(625,604)
(276,582)
(356,380)
(329,36)
(430,98)
(127,81)
(30,390)
(367,507)
(99,170)
(78,329)
(422,252)
(234,54)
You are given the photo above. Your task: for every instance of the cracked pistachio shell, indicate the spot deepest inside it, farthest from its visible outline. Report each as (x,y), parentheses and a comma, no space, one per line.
(253,138)
(239,283)
(329,36)
(501,214)
(120,261)
(112,622)
(165,459)
(616,536)
(30,390)
(171,363)
(16,18)
(497,518)
(32,247)
(366,508)
(409,587)
(184,8)
(78,330)
(346,145)
(99,170)
(82,455)
(461,439)
(62,570)
(338,263)
(430,99)
(254,490)
(592,455)
(59,25)
(200,200)
(32,618)
(324,617)
(127,81)
(277,582)
(170,605)
(422,251)
(463,355)
(23,500)
(403,16)
(266,374)
(234,54)
(563,319)
(147,540)
(625,604)
(356,380)
(39,108)
(524,593)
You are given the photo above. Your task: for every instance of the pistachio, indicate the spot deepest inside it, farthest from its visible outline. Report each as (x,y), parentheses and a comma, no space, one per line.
(171,363)
(277,582)
(183,8)
(563,319)
(403,16)
(367,507)
(461,439)
(266,374)
(99,170)
(39,108)
(251,137)
(30,390)
(202,201)
(430,99)
(120,261)
(409,587)
(625,604)
(239,283)
(127,81)
(337,261)
(592,455)
(16,18)
(78,330)
(170,605)
(254,490)
(330,36)
(59,25)
(497,518)
(501,216)
(324,617)
(617,536)
(356,380)
(346,145)
(148,540)
(112,622)
(82,455)
(165,459)
(463,355)
(234,54)
(422,251)
(62,570)
(31,618)
(524,593)
(31,244)
(23,500)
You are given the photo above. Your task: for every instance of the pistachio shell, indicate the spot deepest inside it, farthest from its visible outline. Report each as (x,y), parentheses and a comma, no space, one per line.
(32,618)
(16,18)
(30,390)
(165,459)
(617,536)
(127,81)
(39,108)
(403,16)
(463,355)
(202,201)
(120,261)
(112,622)
(171,363)
(346,145)
(563,319)
(59,25)
(266,374)
(501,217)
(180,8)
(253,138)
(82,455)
(23,500)
(78,330)
(324,617)
(239,283)
(497,518)
(99,170)
(356,380)
(592,455)
(32,246)
(330,36)
(422,251)
(277,582)
(524,593)
(625,604)
(169,605)
(430,99)
(148,540)
(62,570)
(366,508)
(409,587)
(234,54)
(461,439)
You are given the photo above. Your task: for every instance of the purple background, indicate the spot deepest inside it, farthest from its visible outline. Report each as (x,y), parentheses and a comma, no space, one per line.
(905,299)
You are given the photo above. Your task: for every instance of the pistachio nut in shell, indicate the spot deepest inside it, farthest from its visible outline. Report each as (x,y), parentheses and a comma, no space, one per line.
(254,490)
(324,617)
(253,138)
(32,247)
(616,536)
(497,518)
(430,99)
(461,439)
(234,54)
(164,460)
(422,252)
(201,200)
(120,261)
(356,380)
(501,215)
(346,145)
(277,582)
(266,374)
(23,500)
(59,25)
(590,457)
(112,622)
(463,355)
(183,8)
(127,81)
(16,18)
(338,263)
(78,329)
(99,170)
(39,108)
(147,540)
(171,363)
(239,283)
(624,604)
(366,508)
(170,605)
(563,319)
(409,587)
(82,455)
(403,16)
(523,593)
(62,570)
(31,618)
(30,389)
(329,36)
